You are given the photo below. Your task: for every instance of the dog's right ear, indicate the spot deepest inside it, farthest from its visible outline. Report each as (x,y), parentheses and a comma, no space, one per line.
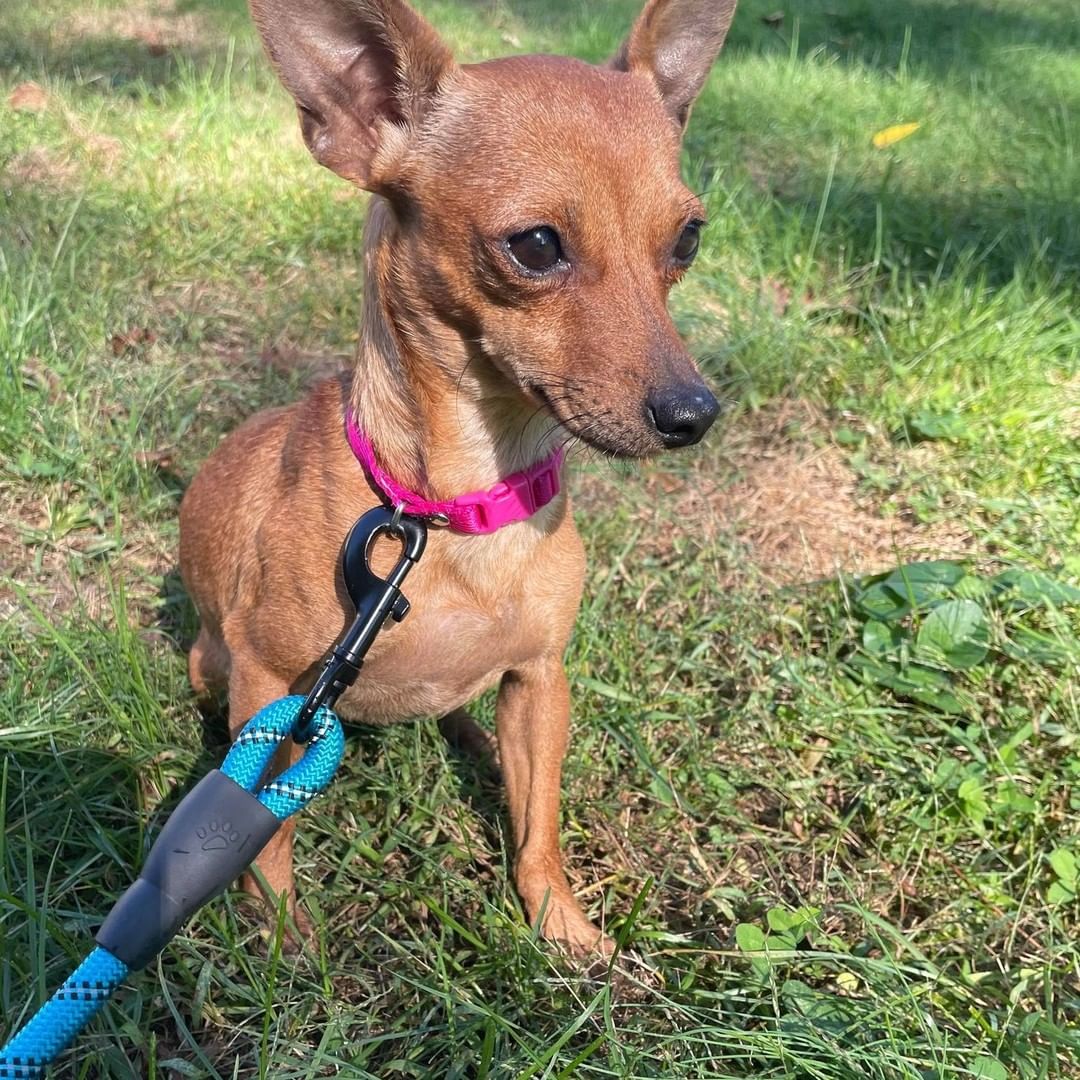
(358,69)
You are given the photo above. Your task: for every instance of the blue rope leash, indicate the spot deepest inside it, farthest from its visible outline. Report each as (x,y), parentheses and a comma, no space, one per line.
(225,849)
(227,818)
(62,1017)
(249,757)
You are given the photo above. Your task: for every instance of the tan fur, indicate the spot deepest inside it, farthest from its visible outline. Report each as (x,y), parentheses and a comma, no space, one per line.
(460,365)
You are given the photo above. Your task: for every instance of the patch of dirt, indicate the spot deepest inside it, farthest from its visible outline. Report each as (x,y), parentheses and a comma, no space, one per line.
(314,366)
(1070,417)
(60,561)
(38,167)
(763,853)
(778,488)
(63,564)
(158,26)
(28,97)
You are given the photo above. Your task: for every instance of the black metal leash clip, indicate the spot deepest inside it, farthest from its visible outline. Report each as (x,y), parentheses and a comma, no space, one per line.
(376,599)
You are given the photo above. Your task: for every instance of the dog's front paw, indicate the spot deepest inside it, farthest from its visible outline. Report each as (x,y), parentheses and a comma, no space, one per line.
(566,925)
(551,904)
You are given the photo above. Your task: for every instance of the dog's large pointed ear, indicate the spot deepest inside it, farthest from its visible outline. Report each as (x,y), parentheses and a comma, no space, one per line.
(676,42)
(358,69)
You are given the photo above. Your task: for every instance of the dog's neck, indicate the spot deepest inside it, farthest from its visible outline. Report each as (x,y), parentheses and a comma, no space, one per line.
(441,421)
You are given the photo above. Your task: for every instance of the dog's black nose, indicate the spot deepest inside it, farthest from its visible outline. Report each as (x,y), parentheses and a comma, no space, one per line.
(682,414)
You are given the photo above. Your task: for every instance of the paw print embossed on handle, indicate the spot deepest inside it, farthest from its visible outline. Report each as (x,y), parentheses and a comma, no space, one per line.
(217,835)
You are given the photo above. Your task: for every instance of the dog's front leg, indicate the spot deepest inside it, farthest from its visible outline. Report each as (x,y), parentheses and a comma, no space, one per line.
(251,688)
(532,721)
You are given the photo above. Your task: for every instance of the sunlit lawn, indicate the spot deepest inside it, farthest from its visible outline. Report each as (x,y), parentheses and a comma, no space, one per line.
(844,812)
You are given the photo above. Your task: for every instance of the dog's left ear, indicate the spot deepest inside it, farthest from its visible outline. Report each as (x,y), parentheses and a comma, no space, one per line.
(675,42)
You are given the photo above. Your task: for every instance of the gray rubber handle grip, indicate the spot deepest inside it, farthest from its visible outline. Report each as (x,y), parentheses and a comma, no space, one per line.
(207,843)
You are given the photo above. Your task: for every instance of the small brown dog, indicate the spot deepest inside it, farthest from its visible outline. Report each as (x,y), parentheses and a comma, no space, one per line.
(528,222)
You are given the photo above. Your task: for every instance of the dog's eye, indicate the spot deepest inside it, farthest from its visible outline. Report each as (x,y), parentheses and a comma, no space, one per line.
(536,249)
(686,246)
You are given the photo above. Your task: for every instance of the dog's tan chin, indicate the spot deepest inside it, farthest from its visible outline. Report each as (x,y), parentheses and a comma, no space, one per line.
(622,450)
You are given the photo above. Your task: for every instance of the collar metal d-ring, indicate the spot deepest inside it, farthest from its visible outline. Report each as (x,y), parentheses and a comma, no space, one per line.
(395,521)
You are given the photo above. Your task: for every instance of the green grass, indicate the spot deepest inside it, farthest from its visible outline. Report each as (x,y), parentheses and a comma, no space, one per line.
(894,869)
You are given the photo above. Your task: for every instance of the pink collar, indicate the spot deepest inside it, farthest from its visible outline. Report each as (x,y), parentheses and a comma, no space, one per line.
(512,499)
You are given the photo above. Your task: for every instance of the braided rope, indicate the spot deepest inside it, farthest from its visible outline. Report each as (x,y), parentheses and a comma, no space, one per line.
(62,1017)
(255,746)
(27,1055)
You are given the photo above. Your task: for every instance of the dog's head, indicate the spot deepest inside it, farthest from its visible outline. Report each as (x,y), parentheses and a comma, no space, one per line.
(537,203)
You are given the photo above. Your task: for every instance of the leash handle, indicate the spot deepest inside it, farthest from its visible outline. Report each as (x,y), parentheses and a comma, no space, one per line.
(210,838)
(229,816)
(218,829)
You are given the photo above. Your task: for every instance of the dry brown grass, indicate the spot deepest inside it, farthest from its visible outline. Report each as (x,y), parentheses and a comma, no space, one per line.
(158,26)
(38,167)
(777,487)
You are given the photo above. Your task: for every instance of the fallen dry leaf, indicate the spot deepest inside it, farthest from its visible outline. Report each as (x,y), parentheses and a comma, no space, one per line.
(890,135)
(131,339)
(29,97)
(159,459)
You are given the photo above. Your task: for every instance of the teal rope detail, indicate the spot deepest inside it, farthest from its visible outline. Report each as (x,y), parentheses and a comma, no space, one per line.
(257,743)
(62,1017)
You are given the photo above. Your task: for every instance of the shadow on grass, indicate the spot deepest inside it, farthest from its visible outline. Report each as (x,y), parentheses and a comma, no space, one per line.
(113,66)
(954,41)
(122,52)
(925,230)
(937,39)
(962,35)
(990,234)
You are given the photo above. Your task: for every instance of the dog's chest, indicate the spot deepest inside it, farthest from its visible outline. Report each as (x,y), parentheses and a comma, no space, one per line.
(449,650)
(480,606)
